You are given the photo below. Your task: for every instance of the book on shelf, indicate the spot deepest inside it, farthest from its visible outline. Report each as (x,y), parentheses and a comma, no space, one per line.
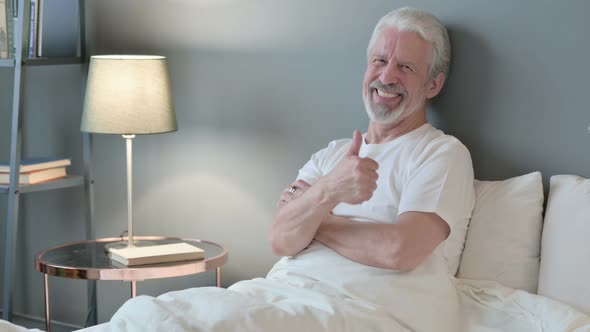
(35,177)
(39,29)
(26,24)
(35,164)
(11,20)
(33,23)
(29,23)
(4,29)
(163,253)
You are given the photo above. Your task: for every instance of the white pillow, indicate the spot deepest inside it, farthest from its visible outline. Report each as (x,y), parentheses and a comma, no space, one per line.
(565,254)
(504,235)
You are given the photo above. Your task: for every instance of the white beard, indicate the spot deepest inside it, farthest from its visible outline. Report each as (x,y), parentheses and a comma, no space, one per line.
(383,115)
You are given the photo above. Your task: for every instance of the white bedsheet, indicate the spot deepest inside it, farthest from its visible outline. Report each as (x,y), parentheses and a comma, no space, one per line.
(320,290)
(9,327)
(492,307)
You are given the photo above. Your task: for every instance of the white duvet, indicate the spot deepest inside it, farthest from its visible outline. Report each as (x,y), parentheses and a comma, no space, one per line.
(319,290)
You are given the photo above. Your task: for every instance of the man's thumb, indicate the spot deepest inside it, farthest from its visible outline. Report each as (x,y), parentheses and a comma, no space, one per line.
(357,141)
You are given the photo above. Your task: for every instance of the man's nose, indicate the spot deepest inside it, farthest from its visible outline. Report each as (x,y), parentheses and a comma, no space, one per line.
(390,73)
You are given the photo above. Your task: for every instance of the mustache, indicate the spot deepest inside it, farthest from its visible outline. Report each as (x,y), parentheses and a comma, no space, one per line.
(388,88)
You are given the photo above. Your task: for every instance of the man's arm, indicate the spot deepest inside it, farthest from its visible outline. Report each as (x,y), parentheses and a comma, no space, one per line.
(295,224)
(401,246)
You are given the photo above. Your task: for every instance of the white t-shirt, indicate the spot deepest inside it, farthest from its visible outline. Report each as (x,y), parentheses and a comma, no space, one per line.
(423,170)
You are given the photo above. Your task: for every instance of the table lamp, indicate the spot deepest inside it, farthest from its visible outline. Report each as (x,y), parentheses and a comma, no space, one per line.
(128,95)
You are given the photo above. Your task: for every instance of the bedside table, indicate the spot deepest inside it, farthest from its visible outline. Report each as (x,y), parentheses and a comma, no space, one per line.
(89,260)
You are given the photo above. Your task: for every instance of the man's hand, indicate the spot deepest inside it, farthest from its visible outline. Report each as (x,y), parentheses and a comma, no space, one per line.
(293,191)
(354,179)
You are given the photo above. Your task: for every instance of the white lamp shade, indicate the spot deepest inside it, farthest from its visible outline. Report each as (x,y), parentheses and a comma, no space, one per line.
(128,94)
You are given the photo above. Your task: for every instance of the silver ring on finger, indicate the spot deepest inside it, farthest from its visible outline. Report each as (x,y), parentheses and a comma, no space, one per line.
(292,190)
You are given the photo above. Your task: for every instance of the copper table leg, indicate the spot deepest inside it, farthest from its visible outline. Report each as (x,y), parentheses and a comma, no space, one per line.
(133,289)
(47,317)
(218,276)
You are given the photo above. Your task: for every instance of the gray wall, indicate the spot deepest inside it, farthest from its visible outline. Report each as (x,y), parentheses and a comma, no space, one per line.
(259,86)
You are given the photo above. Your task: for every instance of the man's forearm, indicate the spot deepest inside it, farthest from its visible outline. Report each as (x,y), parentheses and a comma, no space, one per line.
(295,224)
(366,243)
(400,246)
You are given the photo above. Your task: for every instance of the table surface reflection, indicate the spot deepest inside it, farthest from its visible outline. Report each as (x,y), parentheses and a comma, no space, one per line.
(89,260)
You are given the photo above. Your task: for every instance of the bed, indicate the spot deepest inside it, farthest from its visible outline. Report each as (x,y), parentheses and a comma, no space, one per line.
(494,289)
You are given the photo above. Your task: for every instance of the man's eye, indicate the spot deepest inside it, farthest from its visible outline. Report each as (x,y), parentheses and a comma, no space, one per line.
(378,61)
(406,67)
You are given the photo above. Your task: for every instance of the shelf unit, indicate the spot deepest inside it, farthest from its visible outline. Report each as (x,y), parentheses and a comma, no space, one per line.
(67,182)
(6,62)
(14,190)
(43,61)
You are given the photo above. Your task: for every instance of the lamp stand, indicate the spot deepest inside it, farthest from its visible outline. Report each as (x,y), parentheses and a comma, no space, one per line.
(129,148)
(130,242)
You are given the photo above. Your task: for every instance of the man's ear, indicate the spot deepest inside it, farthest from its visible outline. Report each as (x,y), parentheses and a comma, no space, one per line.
(435,85)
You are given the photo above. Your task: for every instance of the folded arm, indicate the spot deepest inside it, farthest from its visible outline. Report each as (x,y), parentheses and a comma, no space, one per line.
(295,224)
(400,246)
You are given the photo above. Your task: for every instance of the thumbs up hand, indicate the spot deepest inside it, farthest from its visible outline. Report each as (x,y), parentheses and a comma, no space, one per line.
(354,179)
(355,146)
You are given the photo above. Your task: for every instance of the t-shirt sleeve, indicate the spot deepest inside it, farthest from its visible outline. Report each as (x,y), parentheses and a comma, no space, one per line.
(322,162)
(310,172)
(441,182)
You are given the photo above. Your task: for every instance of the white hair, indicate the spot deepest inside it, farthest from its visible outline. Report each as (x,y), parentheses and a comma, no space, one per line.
(426,26)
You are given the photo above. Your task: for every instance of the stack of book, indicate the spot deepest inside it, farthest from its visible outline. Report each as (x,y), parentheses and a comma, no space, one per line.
(36,170)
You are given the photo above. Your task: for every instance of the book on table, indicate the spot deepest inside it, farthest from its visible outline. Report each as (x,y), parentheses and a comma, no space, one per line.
(163,253)
(35,164)
(35,177)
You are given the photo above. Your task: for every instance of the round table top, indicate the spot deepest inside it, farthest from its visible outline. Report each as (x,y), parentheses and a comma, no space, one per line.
(89,260)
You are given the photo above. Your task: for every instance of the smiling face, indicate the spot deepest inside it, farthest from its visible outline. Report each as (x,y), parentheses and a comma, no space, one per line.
(397,82)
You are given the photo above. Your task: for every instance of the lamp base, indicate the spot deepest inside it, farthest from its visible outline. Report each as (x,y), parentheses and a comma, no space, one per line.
(124,244)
